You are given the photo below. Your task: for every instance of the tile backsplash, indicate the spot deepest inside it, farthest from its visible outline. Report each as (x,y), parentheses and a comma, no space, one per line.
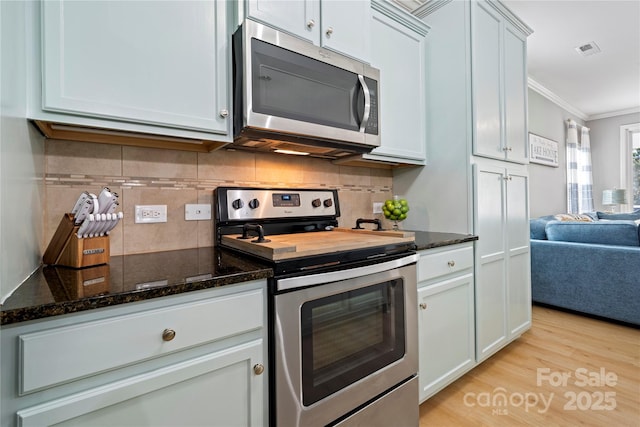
(151,176)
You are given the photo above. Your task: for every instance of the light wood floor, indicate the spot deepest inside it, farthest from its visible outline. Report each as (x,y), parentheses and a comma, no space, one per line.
(526,372)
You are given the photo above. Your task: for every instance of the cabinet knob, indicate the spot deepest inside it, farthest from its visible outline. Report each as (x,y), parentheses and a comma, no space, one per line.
(258,368)
(423,305)
(507,149)
(507,178)
(168,334)
(224,113)
(329,31)
(451,263)
(311,23)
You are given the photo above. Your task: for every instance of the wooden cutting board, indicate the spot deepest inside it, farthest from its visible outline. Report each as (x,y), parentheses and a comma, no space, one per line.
(288,246)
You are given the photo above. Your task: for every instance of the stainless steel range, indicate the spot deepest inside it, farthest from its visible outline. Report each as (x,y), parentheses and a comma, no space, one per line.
(342,308)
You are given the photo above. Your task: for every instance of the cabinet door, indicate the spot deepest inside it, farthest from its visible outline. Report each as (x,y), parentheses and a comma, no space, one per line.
(346,27)
(400,55)
(217,389)
(158,63)
(298,17)
(446,332)
(519,277)
(515,95)
(342,26)
(491,259)
(487,85)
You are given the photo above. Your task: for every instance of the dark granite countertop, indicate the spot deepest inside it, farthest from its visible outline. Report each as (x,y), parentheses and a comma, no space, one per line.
(52,291)
(433,239)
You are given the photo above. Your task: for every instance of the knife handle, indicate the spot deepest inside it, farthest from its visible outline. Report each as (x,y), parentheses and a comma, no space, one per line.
(83,197)
(115,220)
(82,231)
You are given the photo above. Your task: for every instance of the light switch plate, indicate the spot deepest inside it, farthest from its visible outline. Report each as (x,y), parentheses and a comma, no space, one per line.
(377,207)
(197,212)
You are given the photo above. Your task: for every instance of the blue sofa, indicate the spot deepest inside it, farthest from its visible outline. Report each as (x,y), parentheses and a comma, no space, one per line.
(589,267)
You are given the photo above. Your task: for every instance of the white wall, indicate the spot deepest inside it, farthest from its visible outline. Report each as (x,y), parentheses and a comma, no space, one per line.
(548,193)
(605,153)
(439,193)
(21,159)
(548,185)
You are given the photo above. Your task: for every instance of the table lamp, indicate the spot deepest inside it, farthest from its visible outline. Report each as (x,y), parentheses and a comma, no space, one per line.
(613,198)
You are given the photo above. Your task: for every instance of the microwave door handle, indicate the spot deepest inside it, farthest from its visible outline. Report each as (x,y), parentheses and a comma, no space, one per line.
(367,103)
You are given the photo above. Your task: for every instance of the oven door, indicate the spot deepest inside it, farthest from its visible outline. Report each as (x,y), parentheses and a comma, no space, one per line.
(341,344)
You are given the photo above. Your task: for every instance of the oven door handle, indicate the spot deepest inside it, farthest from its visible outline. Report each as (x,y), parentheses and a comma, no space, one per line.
(349,273)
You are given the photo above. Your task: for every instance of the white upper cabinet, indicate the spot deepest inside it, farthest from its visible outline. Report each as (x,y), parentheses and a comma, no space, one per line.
(400,54)
(499,83)
(342,26)
(154,67)
(515,95)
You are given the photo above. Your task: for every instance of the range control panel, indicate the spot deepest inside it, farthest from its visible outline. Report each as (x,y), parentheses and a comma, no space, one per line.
(242,204)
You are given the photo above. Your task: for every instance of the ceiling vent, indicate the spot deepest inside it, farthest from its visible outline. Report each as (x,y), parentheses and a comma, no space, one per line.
(588,49)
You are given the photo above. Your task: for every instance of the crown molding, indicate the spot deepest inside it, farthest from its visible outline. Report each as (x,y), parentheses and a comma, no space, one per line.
(614,113)
(400,15)
(534,85)
(429,7)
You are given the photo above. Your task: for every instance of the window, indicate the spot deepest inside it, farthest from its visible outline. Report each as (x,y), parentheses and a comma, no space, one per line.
(630,164)
(635,172)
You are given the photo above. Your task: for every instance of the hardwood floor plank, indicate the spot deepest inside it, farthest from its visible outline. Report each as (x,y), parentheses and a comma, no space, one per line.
(567,370)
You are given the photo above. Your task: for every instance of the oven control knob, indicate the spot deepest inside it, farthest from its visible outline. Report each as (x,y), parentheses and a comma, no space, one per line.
(328,203)
(237,204)
(254,203)
(316,203)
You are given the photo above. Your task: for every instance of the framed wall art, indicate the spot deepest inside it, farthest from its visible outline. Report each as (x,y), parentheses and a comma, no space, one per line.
(543,150)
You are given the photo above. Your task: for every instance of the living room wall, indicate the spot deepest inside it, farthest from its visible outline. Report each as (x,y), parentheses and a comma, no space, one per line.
(605,152)
(547,185)
(547,190)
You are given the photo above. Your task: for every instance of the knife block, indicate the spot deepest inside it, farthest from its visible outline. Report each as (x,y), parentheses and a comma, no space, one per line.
(68,284)
(68,250)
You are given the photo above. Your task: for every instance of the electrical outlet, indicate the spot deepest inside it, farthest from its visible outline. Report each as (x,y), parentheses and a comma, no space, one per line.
(197,212)
(149,214)
(377,207)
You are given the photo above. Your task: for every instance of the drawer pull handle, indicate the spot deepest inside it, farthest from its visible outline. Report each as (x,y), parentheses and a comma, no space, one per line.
(423,305)
(451,263)
(258,368)
(168,334)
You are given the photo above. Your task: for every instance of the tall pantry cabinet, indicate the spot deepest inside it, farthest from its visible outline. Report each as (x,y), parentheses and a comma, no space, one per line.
(476,179)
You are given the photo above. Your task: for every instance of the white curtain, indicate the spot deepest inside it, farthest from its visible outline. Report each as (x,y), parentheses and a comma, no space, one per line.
(579,178)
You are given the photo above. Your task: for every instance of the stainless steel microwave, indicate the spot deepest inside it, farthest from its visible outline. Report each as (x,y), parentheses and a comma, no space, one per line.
(293,96)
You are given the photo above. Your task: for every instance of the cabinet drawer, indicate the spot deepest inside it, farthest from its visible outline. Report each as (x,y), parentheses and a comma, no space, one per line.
(61,355)
(437,264)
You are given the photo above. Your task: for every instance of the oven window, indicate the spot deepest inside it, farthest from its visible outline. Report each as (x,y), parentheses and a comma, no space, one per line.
(348,336)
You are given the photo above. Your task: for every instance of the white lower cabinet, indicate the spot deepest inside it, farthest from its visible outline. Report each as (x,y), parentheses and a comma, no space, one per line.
(214,389)
(503,282)
(446,316)
(189,360)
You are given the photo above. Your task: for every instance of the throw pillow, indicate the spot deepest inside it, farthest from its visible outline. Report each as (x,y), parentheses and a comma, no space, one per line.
(574,217)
